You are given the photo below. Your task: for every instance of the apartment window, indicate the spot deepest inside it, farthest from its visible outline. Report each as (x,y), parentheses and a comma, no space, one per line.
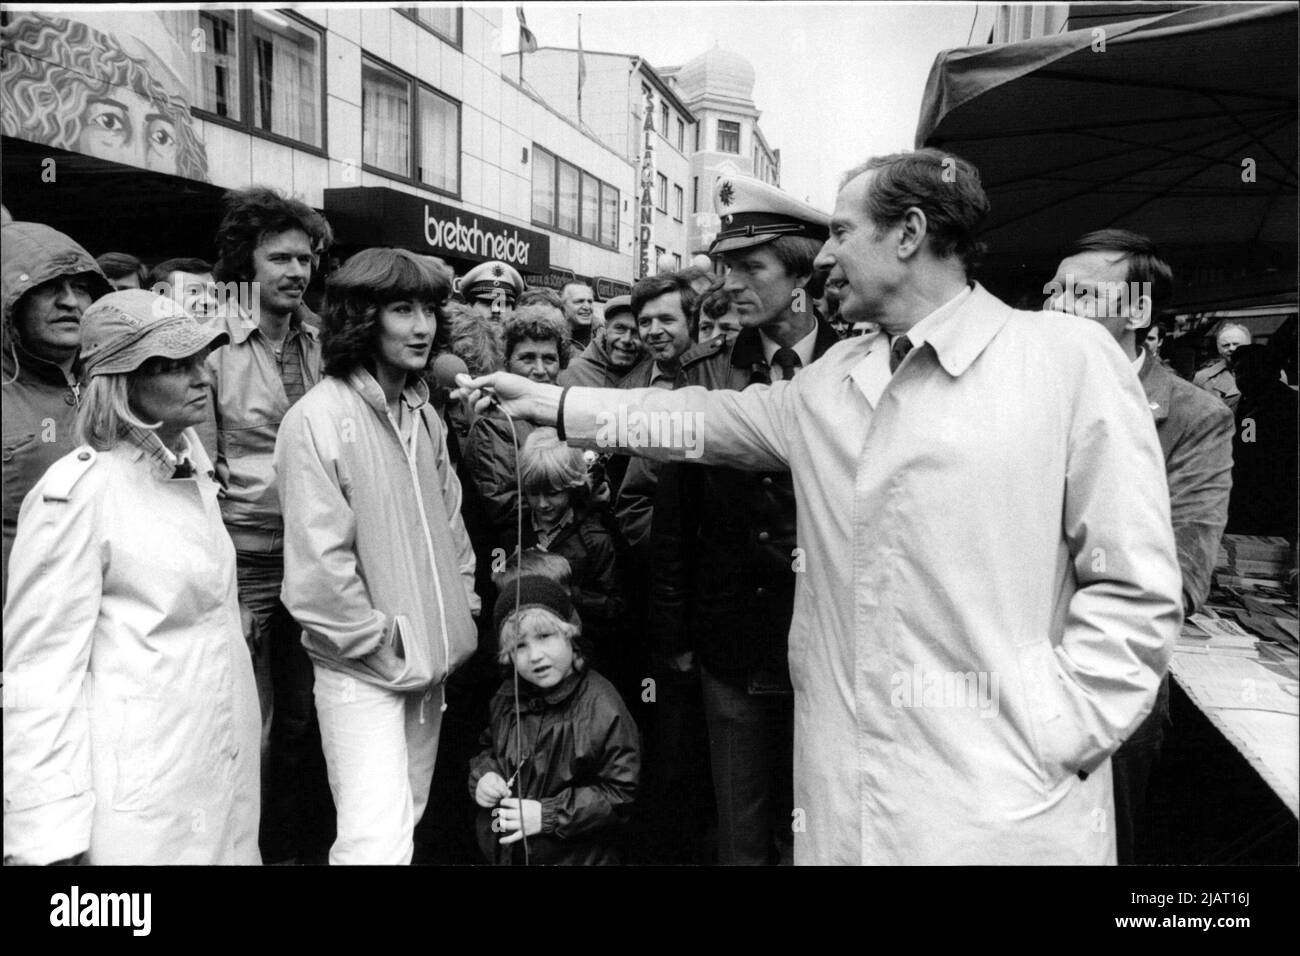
(698,128)
(385,120)
(217,90)
(681,135)
(608,216)
(409,130)
(286,78)
(543,187)
(261,70)
(567,211)
(664,115)
(662,203)
(728,137)
(679,201)
(569,199)
(443,21)
(590,226)
(439,135)
(695,194)
(660,252)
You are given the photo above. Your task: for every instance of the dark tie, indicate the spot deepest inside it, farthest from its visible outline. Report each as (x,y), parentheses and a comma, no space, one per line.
(788,360)
(898,351)
(184,470)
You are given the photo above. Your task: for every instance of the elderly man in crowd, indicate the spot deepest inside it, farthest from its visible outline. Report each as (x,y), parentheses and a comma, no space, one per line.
(990,593)
(579,304)
(611,356)
(1217,377)
(48,281)
(1117,278)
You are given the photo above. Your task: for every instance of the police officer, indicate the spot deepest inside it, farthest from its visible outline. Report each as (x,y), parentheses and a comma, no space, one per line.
(491,289)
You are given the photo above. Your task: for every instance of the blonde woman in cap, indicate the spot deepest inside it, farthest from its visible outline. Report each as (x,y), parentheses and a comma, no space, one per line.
(123,577)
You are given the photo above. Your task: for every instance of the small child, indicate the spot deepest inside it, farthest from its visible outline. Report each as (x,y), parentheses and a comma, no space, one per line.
(572,788)
(563,521)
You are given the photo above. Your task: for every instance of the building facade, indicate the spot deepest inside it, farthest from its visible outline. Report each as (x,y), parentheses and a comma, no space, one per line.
(123,128)
(628,106)
(718,87)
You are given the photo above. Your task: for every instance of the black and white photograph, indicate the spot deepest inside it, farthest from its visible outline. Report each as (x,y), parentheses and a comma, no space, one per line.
(654,435)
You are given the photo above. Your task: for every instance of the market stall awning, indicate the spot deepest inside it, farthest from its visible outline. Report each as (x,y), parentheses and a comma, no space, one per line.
(1180,126)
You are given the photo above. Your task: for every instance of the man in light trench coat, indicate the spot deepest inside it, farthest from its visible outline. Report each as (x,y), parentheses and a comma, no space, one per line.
(989,592)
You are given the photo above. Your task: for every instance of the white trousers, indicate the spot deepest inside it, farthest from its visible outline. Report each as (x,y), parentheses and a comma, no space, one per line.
(380,748)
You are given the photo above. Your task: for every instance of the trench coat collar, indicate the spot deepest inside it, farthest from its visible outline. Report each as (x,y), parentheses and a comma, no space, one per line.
(960,337)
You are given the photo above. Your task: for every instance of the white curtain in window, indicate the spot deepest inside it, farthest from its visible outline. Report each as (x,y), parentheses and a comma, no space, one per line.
(439,141)
(293,99)
(385,122)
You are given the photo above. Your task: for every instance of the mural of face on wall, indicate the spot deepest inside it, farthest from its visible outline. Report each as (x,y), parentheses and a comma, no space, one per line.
(74,87)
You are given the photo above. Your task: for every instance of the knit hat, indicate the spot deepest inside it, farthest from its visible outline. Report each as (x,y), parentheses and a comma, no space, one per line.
(534,590)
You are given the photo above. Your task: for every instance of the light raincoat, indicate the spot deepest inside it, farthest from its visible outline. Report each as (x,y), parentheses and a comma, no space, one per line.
(988,589)
(132,726)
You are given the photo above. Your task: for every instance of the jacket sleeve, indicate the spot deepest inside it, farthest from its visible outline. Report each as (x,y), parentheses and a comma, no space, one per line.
(669,560)
(55,587)
(749,430)
(635,502)
(322,589)
(451,496)
(579,811)
(1200,480)
(490,454)
(599,597)
(486,760)
(1091,691)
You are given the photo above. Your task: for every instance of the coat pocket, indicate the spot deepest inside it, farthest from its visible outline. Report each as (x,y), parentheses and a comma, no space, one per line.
(1051,732)
(415,670)
(135,753)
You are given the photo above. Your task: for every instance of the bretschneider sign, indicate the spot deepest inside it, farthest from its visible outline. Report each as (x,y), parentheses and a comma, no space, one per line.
(381,216)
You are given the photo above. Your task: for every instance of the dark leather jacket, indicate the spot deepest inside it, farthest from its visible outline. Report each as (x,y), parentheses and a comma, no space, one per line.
(722,545)
(582,761)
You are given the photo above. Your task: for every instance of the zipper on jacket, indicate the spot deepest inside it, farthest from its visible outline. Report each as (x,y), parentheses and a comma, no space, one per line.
(428,543)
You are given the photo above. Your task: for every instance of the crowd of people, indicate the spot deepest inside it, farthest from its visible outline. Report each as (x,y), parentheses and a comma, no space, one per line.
(275,593)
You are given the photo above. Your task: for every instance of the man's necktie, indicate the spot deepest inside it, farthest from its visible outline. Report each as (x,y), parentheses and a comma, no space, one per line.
(898,351)
(184,470)
(788,360)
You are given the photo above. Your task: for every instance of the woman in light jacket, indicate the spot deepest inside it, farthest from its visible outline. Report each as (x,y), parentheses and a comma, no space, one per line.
(131,726)
(378,568)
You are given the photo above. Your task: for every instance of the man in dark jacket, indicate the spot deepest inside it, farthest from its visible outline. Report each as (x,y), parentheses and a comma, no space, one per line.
(723,544)
(48,281)
(1264,447)
(1116,278)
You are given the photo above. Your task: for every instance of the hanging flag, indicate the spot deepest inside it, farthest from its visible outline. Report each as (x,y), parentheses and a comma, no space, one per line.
(582,68)
(527,42)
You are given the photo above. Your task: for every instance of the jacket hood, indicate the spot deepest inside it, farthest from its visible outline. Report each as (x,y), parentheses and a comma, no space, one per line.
(34,253)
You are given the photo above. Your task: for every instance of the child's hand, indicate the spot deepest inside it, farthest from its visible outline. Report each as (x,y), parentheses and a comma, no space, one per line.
(508,819)
(490,790)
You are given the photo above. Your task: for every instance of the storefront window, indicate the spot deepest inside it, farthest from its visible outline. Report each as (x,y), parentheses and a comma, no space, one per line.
(439,141)
(385,120)
(590,207)
(286,77)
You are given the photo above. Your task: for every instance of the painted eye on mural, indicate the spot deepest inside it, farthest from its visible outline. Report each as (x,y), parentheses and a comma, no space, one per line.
(108,118)
(161,134)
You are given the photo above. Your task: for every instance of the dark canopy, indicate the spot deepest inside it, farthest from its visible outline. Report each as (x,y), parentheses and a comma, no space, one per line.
(1145,126)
